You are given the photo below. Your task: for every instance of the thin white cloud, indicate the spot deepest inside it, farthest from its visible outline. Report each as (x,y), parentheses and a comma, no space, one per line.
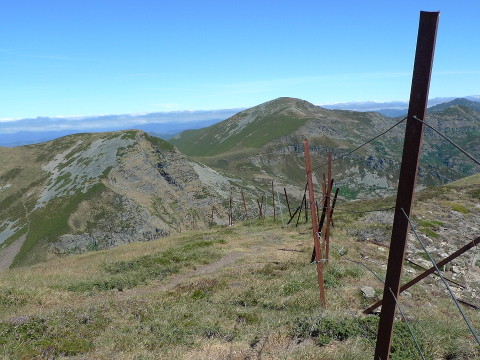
(109,122)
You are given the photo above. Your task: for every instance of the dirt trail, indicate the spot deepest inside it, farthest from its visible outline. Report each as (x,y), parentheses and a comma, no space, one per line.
(180,278)
(223,262)
(8,254)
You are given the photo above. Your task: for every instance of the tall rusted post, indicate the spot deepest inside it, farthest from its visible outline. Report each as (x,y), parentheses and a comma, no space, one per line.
(422,70)
(329,208)
(273,203)
(311,196)
(244,205)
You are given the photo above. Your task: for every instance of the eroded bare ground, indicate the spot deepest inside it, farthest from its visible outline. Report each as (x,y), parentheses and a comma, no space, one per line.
(7,255)
(176,280)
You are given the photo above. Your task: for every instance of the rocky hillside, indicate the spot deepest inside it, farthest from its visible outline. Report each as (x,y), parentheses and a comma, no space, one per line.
(95,191)
(267,140)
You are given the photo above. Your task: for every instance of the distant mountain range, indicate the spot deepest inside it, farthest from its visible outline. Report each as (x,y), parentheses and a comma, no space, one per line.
(391,108)
(162,124)
(266,141)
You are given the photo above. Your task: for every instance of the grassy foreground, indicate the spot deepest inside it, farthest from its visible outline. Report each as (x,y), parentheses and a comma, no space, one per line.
(242,292)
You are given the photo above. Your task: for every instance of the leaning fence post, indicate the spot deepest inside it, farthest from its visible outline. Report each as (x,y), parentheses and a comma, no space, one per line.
(288,203)
(279,204)
(422,70)
(333,205)
(311,196)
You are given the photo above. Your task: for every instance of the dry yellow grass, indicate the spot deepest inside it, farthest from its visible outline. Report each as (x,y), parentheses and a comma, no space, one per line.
(249,300)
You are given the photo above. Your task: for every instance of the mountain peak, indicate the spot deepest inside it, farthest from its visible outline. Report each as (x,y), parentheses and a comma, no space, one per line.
(474,105)
(251,128)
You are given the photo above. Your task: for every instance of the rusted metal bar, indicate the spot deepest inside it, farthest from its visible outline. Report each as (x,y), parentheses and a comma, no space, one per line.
(473,306)
(300,211)
(304,201)
(456,283)
(316,239)
(244,205)
(293,215)
(273,203)
(408,172)
(328,196)
(288,203)
(260,205)
(326,233)
(424,274)
(320,226)
(279,204)
(306,209)
(333,205)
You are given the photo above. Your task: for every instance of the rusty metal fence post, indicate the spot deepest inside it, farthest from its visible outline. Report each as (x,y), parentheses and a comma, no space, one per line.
(427,33)
(316,239)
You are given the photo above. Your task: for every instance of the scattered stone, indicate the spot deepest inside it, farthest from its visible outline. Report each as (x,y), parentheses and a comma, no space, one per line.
(456,270)
(368,292)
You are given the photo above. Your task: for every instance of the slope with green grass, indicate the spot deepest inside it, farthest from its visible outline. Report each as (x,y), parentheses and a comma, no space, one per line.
(252,128)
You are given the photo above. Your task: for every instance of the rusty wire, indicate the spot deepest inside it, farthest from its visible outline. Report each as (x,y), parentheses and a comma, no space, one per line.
(449,140)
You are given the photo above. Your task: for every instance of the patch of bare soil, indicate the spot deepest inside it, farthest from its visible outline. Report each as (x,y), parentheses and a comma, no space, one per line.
(8,254)
(178,279)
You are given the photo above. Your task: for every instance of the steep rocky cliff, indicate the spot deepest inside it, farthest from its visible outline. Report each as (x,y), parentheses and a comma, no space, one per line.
(95,191)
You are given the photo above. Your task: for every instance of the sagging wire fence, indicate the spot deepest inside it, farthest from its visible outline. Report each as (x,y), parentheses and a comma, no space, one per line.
(341,252)
(392,208)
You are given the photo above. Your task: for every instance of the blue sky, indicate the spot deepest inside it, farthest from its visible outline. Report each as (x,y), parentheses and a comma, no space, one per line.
(83,57)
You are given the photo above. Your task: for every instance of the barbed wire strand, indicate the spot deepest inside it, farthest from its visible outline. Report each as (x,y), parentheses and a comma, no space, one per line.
(359,147)
(472,330)
(366,331)
(408,325)
(449,140)
(342,255)
(364,211)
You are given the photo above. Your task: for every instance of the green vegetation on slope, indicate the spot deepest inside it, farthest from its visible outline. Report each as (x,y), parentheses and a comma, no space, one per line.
(48,223)
(224,136)
(128,274)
